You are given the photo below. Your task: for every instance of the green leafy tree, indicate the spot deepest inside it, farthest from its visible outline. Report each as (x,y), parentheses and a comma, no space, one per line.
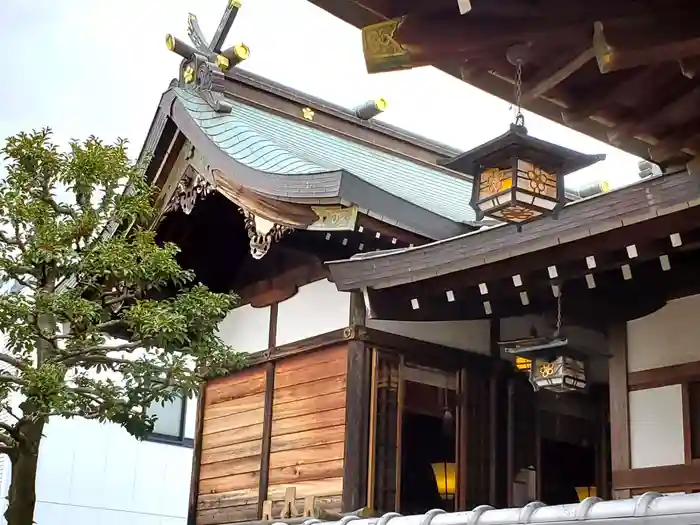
(107,322)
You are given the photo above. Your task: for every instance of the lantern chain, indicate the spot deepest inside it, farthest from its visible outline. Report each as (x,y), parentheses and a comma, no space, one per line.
(519,117)
(558,327)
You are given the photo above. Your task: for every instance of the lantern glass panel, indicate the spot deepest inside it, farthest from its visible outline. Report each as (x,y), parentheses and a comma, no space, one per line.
(493,181)
(515,213)
(536,180)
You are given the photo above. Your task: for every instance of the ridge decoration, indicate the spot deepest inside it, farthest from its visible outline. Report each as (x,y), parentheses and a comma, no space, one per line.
(204,64)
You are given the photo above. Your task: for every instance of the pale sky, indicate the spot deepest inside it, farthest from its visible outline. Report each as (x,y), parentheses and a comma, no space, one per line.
(99,67)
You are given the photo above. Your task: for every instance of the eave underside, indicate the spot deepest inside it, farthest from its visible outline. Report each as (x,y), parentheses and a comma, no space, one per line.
(646,104)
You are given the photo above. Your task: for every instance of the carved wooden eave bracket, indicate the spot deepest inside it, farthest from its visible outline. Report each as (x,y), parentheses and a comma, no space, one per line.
(204,65)
(262,233)
(193,186)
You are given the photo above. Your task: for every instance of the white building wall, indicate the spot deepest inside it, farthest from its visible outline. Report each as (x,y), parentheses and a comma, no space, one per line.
(464,335)
(92,473)
(656,427)
(667,337)
(246,328)
(664,338)
(317,308)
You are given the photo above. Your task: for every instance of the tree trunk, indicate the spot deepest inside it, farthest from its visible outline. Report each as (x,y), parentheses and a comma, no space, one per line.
(22,493)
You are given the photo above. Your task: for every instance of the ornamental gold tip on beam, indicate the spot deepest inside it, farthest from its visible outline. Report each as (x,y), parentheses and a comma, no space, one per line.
(222,62)
(234,4)
(371,108)
(236,54)
(179,47)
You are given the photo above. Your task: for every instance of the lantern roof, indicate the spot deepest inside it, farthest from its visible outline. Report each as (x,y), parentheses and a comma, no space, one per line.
(515,140)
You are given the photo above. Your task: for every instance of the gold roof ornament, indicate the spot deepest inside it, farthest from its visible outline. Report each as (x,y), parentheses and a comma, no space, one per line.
(307,113)
(205,62)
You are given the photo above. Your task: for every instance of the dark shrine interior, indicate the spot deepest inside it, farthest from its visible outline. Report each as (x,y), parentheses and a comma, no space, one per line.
(215,245)
(565,466)
(426,439)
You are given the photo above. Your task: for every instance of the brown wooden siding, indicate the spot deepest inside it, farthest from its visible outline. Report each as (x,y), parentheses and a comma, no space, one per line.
(229,471)
(308,428)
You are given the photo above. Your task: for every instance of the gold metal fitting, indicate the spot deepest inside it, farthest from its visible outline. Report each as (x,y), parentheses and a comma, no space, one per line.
(381,104)
(241,51)
(222,62)
(234,4)
(307,113)
(188,75)
(170,42)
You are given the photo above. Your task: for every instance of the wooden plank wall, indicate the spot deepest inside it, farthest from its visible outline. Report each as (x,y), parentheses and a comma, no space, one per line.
(308,428)
(229,473)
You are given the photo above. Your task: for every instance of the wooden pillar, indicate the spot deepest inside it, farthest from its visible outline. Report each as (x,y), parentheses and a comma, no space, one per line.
(619,403)
(602,444)
(462,437)
(510,455)
(267,411)
(498,422)
(196,460)
(357,414)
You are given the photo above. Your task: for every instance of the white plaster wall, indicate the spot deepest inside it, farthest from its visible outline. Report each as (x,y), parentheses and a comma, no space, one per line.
(93,473)
(656,427)
(246,328)
(316,308)
(667,337)
(465,335)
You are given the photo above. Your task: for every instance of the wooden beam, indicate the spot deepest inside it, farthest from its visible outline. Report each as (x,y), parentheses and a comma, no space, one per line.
(619,405)
(610,91)
(676,110)
(681,477)
(392,232)
(540,85)
(690,67)
(266,435)
(357,413)
(645,41)
(196,459)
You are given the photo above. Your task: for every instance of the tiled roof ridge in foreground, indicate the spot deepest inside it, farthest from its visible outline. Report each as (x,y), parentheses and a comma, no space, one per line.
(681,509)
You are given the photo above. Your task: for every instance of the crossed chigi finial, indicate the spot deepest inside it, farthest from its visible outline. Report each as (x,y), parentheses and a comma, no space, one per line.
(204,65)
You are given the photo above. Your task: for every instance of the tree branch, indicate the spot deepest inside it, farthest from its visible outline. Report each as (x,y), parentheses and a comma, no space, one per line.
(114,323)
(5,378)
(21,365)
(119,299)
(5,449)
(8,441)
(84,354)
(8,240)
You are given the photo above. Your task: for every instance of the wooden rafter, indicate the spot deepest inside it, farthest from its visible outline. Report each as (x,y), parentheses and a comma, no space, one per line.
(647,124)
(547,80)
(690,67)
(650,40)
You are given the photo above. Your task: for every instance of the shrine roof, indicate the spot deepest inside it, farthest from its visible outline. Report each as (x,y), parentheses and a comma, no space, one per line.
(289,159)
(270,143)
(605,214)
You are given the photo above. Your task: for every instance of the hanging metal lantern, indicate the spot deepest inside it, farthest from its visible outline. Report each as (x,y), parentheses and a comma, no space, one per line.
(561,374)
(518,178)
(550,362)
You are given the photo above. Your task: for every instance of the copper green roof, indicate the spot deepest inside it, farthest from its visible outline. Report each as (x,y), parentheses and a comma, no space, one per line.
(274,144)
